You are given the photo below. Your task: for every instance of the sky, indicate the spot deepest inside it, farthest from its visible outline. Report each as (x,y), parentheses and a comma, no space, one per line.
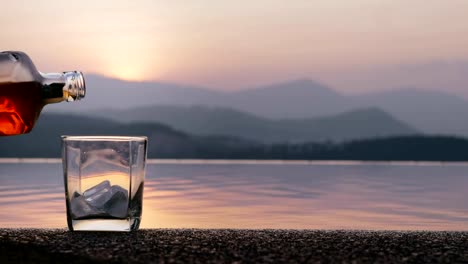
(354,46)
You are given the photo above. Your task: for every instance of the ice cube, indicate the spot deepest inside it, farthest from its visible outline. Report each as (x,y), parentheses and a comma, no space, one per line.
(103,200)
(117,188)
(98,195)
(97,188)
(117,205)
(80,208)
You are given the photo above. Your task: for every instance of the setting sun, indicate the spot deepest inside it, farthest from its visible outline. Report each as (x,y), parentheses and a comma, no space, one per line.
(127,72)
(126,57)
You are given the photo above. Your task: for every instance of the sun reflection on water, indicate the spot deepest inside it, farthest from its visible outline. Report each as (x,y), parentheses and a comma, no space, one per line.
(258,197)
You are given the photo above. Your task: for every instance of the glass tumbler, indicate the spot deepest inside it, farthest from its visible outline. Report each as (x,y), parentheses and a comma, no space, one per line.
(103,178)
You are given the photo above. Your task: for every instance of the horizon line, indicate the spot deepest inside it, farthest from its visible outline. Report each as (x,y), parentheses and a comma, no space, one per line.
(256,162)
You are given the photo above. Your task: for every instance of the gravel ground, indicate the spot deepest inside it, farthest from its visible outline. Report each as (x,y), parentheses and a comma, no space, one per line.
(231,246)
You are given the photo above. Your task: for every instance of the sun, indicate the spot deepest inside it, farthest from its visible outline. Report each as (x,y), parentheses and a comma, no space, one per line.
(128,72)
(127,66)
(127,58)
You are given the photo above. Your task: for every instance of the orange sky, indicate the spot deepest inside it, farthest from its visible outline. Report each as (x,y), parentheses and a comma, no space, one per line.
(233,45)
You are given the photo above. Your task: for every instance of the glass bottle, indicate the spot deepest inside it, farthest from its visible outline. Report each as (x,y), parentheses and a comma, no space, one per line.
(24,91)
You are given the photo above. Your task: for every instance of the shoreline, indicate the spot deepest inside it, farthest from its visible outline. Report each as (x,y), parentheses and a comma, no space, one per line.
(255,162)
(232,246)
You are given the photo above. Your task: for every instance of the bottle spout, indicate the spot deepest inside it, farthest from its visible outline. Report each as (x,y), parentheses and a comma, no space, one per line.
(75,87)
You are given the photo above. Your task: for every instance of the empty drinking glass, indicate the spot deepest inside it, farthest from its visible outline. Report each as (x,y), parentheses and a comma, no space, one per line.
(103,178)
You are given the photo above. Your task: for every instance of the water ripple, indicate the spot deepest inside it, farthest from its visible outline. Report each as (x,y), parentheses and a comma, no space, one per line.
(324,196)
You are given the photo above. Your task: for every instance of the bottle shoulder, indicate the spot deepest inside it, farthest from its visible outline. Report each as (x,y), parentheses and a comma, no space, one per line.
(16,66)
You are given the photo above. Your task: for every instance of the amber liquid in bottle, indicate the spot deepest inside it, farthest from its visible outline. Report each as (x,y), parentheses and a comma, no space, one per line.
(20,106)
(24,91)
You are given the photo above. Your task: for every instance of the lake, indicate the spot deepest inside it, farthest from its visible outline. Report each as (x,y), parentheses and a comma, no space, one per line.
(253,194)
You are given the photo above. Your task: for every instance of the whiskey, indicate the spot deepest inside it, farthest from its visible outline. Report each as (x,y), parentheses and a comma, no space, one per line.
(20,106)
(24,92)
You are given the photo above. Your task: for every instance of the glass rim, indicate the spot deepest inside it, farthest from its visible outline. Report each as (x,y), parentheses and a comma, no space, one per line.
(104,138)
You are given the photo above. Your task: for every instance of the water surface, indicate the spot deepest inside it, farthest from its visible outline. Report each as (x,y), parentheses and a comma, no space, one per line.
(298,195)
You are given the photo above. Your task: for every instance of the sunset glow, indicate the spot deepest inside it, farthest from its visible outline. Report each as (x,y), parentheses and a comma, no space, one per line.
(236,45)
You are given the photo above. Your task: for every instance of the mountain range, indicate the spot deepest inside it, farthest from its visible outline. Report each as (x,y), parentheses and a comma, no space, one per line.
(165,142)
(202,120)
(429,112)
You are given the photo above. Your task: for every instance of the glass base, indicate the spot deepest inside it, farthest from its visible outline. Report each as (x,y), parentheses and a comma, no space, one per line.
(122,225)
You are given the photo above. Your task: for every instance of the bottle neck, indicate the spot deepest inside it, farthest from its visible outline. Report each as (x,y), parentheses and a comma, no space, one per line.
(67,86)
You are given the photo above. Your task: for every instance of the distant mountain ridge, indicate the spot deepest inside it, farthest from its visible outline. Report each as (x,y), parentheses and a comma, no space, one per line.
(44,140)
(425,111)
(295,99)
(201,120)
(165,142)
(429,111)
